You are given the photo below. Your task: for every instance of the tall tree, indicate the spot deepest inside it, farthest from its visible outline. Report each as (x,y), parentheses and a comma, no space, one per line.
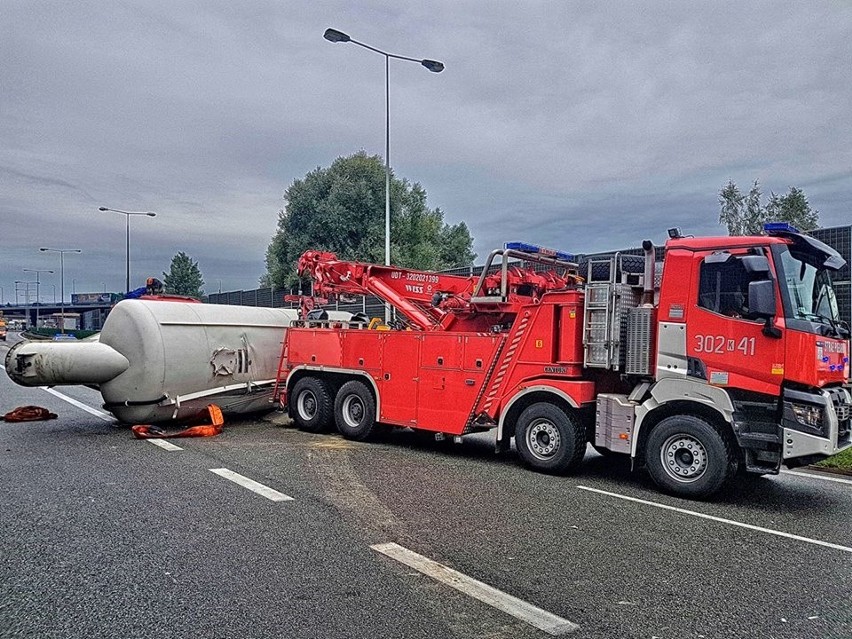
(745,215)
(793,208)
(184,277)
(732,214)
(342,209)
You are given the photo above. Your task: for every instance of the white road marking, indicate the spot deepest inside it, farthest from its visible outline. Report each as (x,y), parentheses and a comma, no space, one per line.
(251,484)
(838,480)
(526,612)
(93,411)
(162,443)
(730,522)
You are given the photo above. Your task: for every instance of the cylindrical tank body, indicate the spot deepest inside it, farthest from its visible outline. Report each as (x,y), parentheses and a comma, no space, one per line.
(181,356)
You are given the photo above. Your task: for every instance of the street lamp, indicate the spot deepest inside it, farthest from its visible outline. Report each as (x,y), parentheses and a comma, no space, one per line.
(62,253)
(38,272)
(127,215)
(333,35)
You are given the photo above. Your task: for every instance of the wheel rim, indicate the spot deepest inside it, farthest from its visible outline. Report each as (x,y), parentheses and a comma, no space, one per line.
(352,411)
(684,458)
(306,404)
(543,439)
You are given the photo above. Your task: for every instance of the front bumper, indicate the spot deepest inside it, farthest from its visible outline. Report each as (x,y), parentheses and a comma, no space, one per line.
(828,436)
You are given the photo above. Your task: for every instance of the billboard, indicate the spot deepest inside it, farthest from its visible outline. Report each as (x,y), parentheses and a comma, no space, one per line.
(91,298)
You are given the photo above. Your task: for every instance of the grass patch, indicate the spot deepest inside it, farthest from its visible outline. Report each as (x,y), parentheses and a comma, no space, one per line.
(841,460)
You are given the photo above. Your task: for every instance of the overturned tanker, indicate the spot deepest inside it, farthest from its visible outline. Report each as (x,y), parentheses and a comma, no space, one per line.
(160,360)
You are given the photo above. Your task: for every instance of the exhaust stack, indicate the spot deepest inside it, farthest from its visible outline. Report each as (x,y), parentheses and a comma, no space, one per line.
(650,267)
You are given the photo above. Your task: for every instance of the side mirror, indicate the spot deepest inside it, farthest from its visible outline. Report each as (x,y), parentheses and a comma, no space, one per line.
(761,303)
(761,298)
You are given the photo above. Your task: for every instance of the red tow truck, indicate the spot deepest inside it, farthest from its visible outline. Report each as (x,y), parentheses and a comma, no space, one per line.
(735,363)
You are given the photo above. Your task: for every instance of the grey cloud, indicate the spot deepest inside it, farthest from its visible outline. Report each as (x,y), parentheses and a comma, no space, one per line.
(584,125)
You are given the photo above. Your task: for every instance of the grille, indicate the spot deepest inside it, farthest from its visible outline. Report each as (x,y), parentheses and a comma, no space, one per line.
(639,332)
(843,409)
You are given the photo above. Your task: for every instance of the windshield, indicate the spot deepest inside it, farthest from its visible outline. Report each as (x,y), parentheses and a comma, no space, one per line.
(807,289)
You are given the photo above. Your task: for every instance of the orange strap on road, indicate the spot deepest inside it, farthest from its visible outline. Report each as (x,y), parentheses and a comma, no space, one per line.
(29,414)
(211,414)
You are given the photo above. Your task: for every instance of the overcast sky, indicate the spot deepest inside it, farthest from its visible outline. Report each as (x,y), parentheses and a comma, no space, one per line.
(578,125)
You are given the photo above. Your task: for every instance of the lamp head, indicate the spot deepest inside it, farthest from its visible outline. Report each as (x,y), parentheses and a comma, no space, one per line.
(103,208)
(42,249)
(433,65)
(333,35)
(151,214)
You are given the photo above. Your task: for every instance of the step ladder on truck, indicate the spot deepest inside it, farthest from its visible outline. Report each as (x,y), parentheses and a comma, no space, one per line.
(736,363)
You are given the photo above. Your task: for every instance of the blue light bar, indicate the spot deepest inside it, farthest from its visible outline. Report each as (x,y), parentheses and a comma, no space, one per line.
(532,249)
(779,227)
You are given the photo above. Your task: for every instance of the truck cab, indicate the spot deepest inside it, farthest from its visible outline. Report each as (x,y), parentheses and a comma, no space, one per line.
(748,328)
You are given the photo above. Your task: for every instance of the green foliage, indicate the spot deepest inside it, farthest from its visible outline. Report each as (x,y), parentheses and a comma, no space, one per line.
(342,209)
(793,208)
(744,214)
(184,277)
(842,460)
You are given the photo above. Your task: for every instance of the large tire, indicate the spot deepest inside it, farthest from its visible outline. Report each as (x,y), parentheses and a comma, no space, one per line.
(688,457)
(549,440)
(311,405)
(355,411)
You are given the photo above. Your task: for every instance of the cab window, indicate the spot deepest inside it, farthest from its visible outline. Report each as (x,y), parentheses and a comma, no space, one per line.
(723,285)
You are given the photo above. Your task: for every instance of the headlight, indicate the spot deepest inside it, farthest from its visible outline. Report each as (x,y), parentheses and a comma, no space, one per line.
(808,415)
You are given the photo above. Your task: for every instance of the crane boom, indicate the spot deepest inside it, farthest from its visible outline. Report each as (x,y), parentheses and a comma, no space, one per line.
(440,301)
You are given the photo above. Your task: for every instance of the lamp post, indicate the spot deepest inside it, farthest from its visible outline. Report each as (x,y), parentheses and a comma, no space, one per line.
(38,272)
(127,215)
(333,35)
(62,253)
(54,293)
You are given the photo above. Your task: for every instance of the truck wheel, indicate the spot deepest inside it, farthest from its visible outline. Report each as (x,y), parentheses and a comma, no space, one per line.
(355,411)
(548,440)
(686,456)
(311,405)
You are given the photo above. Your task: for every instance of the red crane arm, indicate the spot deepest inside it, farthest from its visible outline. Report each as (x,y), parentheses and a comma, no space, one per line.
(438,301)
(410,291)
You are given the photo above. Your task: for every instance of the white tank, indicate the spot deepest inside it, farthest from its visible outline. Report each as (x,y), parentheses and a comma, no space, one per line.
(161,360)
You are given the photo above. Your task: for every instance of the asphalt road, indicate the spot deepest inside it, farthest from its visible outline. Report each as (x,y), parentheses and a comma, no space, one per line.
(107,536)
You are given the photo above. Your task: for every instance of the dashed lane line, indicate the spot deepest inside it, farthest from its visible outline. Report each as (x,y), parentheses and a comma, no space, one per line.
(251,484)
(722,520)
(518,608)
(162,443)
(838,480)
